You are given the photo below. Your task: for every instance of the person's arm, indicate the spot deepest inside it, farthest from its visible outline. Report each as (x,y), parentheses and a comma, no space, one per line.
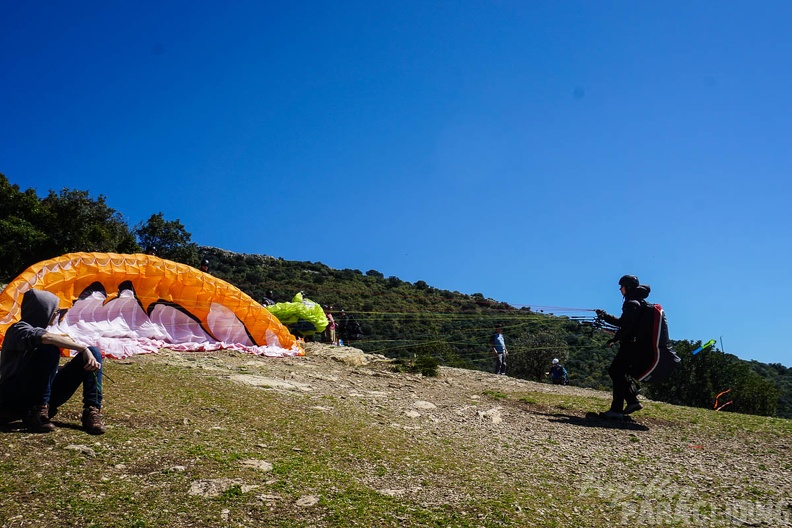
(64,341)
(608,318)
(631,312)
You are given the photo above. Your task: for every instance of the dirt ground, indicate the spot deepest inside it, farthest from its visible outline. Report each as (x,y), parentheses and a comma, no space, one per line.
(657,458)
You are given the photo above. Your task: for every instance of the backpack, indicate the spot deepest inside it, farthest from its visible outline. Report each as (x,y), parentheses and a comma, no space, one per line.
(659,359)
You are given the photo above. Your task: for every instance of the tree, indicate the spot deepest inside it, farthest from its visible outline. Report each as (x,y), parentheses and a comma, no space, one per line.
(19,232)
(34,229)
(169,237)
(700,377)
(76,222)
(531,354)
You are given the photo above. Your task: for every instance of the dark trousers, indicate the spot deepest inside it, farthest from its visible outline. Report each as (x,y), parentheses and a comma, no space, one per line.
(624,387)
(39,380)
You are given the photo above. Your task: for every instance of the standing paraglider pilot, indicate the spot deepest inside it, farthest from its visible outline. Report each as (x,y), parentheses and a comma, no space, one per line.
(625,388)
(32,387)
(498,347)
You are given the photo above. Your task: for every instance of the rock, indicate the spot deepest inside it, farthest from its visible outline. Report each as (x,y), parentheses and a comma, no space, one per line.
(492,414)
(261,465)
(270,383)
(80,448)
(212,487)
(307,500)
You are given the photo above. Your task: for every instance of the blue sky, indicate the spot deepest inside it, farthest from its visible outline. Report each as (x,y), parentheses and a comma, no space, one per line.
(530,151)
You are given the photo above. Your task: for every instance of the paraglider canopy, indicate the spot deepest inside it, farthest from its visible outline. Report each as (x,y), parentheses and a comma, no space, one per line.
(128,304)
(302,316)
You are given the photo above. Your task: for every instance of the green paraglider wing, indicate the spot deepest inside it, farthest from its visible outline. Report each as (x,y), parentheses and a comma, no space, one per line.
(297,313)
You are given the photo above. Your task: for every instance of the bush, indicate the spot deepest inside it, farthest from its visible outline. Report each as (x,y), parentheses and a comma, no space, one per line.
(425,365)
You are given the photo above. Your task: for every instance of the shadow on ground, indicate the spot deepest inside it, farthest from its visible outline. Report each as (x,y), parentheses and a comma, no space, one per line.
(594,420)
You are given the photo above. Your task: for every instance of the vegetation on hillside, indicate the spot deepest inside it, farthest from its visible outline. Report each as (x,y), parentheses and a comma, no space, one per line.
(399,319)
(402,319)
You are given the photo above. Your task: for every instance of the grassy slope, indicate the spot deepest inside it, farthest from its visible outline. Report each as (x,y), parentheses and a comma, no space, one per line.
(346,461)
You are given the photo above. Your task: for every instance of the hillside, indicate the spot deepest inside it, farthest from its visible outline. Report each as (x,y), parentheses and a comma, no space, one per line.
(399,319)
(402,319)
(337,438)
(415,320)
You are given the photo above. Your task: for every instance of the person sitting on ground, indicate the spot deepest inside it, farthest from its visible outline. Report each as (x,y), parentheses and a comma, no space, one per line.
(558,373)
(32,387)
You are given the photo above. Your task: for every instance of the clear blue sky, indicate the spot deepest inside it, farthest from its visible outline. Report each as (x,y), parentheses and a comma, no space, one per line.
(530,151)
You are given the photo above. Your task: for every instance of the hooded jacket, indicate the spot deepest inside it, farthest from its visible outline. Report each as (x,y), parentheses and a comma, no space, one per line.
(629,322)
(22,338)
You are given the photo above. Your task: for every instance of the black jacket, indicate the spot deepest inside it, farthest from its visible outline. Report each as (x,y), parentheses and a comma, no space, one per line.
(630,327)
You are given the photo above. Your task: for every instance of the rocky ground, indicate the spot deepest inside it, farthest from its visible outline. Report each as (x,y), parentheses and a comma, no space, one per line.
(659,458)
(346,439)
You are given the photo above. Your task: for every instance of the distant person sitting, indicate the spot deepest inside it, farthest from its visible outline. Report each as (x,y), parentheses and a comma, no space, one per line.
(558,373)
(269,300)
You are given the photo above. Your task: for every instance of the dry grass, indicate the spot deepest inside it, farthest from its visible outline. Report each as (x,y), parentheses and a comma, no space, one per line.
(234,440)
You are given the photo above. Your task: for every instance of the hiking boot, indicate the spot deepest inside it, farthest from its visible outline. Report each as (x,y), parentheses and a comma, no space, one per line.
(37,419)
(612,415)
(633,407)
(92,421)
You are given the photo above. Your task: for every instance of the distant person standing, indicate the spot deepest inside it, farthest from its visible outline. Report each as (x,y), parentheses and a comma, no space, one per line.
(330,331)
(349,329)
(498,347)
(342,328)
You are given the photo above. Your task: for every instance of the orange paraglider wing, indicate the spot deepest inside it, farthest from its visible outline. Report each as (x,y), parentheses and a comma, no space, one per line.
(139,303)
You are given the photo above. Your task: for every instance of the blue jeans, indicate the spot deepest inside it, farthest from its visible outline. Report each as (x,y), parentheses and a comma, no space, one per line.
(40,380)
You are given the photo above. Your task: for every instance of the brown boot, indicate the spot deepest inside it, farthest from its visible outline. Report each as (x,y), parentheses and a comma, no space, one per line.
(92,421)
(37,419)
